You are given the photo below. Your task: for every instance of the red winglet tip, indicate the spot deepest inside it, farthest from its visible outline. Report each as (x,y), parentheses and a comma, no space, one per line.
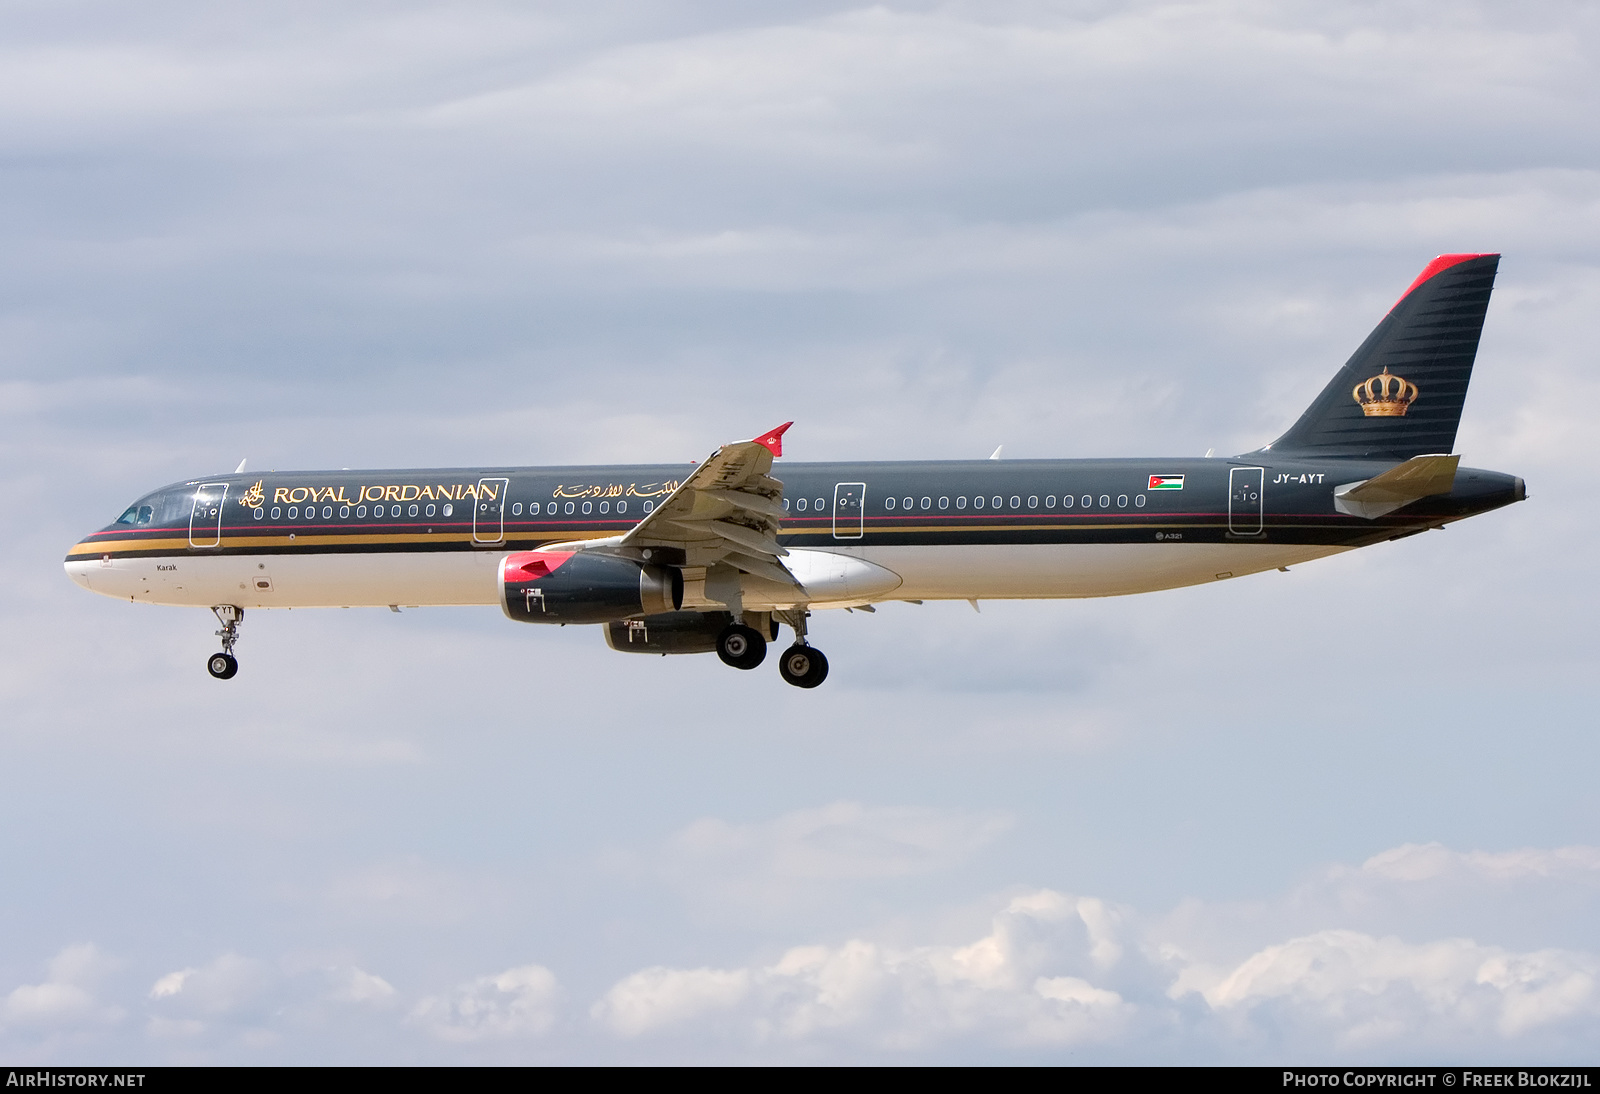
(772,440)
(1437,266)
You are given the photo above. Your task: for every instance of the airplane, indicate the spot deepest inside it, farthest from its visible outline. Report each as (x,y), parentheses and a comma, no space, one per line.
(717,559)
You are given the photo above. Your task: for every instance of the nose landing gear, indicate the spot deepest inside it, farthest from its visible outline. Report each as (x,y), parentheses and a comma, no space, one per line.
(224,666)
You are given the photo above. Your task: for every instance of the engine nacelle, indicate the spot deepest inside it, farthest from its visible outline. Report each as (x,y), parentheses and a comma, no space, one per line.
(584,587)
(673,632)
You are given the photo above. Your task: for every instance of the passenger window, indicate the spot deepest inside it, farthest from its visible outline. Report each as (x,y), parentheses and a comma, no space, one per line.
(1087,501)
(801,505)
(649,506)
(820,504)
(785,505)
(1050,502)
(888,503)
(1122,501)
(361,511)
(588,507)
(327,511)
(605,507)
(276,512)
(448,509)
(961,502)
(1105,501)
(533,508)
(977,502)
(294,512)
(516,509)
(430,510)
(571,508)
(1066,500)
(1033,501)
(258,512)
(906,504)
(622,507)
(412,511)
(344,512)
(995,501)
(944,503)
(1139,501)
(1016,502)
(927,503)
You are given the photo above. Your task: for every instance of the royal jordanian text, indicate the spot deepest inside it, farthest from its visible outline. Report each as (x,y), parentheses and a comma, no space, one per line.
(294,495)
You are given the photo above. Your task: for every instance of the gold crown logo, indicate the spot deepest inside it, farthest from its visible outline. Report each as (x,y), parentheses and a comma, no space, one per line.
(1385,396)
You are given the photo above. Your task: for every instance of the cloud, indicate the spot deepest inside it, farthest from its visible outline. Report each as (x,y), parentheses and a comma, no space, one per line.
(799,857)
(1414,862)
(66,998)
(1057,970)
(1364,991)
(255,1004)
(517,1003)
(896,998)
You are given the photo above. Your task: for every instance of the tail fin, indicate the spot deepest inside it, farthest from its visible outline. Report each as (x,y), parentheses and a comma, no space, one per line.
(1401,393)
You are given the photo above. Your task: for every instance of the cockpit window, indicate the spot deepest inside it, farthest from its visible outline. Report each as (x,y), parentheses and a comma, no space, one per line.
(137,514)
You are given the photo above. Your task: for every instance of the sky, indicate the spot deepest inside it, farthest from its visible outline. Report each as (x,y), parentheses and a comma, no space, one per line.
(1346,813)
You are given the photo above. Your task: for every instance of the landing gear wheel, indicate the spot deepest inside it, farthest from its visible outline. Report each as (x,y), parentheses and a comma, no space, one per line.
(803,666)
(222,665)
(741,646)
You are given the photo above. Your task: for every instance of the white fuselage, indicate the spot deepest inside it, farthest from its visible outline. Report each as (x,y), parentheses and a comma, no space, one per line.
(469,577)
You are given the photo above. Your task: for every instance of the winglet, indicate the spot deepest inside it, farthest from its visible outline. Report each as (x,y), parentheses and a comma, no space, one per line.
(773,439)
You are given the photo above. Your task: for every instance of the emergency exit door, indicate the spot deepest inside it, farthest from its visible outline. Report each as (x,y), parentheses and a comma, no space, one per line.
(849,510)
(489,514)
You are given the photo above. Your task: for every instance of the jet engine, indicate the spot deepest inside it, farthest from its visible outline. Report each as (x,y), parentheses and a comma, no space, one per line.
(584,587)
(673,632)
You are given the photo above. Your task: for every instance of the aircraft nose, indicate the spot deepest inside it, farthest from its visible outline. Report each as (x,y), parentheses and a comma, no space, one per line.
(77,570)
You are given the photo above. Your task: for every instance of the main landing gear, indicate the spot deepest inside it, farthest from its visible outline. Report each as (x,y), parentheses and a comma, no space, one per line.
(224,666)
(803,666)
(741,647)
(744,647)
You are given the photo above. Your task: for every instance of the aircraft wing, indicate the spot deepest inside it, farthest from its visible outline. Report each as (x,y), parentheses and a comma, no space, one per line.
(728,510)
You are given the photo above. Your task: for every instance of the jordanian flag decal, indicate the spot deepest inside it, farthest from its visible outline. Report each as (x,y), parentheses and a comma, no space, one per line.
(1166,482)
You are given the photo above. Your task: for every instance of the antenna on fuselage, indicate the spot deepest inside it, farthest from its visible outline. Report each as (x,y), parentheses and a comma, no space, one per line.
(240,469)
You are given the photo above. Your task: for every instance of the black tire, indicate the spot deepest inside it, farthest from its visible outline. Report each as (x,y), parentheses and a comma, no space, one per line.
(803,666)
(222,665)
(741,646)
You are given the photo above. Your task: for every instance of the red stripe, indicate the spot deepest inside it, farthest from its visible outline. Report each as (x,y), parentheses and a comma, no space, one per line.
(1437,266)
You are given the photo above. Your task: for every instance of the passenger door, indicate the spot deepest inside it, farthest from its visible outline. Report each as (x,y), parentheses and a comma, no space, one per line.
(1245,493)
(205,519)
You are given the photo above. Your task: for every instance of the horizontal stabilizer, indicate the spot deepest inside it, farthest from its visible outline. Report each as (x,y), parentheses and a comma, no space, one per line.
(1419,477)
